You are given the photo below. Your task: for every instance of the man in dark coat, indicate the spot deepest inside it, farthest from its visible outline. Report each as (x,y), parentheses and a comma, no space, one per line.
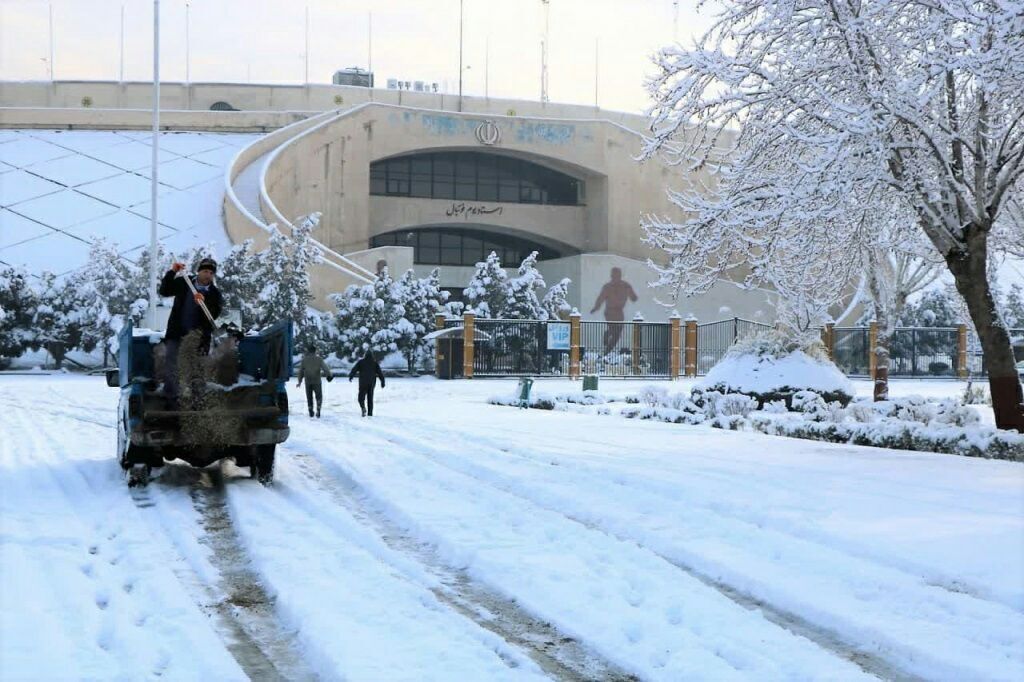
(312,368)
(186,315)
(368,371)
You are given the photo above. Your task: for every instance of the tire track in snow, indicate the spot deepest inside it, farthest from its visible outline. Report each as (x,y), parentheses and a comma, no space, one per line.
(238,606)
(827,639)
(558,655)
(535,455)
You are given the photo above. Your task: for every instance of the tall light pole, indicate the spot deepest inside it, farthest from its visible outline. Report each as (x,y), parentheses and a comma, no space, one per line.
(188,71)
(487,67)
(121,71)
(675,20)
(153,170)
(544,55)
(51,42)
(460,54)
(306,81)
(597,67)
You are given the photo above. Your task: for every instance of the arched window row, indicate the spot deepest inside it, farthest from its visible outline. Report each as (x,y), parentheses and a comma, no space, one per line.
(446,246)
(473,176)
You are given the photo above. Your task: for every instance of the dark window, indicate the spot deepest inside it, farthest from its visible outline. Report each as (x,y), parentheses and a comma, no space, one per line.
(446,246)
(473,176)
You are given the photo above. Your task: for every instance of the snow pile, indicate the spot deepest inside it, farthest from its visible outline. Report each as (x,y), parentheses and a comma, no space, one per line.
(752,373)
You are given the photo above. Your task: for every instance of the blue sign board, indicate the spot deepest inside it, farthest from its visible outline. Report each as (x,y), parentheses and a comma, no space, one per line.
(558,336)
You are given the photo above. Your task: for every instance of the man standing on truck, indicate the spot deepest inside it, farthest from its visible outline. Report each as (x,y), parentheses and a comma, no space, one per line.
(311,368)
(186,315)
(368,371)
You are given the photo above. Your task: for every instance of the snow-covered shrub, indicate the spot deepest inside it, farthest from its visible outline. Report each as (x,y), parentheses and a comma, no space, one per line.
(952,413)
(915,409)
(862,412)
(734,405)
(807,401)
(775,407)
(769,367)
(653,396)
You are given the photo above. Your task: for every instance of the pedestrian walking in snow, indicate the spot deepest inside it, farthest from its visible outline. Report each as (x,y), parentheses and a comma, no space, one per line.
(186,315)
(312,368)
(369,371)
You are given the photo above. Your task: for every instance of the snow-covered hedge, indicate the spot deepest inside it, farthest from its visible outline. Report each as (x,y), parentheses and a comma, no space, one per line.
(545,401)
(769,368)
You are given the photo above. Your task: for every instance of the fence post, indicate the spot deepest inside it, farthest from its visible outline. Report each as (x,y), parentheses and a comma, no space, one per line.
(872,347)
(828,337)
(439,322)
(675,333)
(690,363)
(574,344)
(635,350)
(467,344)
(961,355)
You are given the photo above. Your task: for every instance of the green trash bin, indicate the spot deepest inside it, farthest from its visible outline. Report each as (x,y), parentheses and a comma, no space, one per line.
(525,384)
(589,382)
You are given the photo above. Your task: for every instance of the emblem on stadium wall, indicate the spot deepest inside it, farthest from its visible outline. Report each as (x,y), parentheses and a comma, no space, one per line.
(488,133)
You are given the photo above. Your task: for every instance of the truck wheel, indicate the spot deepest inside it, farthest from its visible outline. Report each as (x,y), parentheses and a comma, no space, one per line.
(262,467)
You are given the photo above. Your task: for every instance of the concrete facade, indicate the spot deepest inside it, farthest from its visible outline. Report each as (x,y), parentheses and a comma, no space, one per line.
(325,138)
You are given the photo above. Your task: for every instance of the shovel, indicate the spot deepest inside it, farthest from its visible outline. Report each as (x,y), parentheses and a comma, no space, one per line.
(218,332)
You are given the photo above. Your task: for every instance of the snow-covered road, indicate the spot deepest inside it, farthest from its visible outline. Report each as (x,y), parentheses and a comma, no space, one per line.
(450,539)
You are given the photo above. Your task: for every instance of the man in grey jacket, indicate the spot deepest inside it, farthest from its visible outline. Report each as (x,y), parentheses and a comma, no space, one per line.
(312,368)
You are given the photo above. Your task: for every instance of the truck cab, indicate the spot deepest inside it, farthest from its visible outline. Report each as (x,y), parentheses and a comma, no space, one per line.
(243,417)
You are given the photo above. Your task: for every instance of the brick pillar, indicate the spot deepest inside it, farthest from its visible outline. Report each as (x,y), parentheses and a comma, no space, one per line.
(961,354)
(690,348)
(575,331)
(439,321)
(828,337)
(468,323)
(635,350)
(872,346)
(675,345)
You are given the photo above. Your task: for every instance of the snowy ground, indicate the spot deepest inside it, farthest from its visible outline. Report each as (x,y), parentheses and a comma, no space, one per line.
(449,539)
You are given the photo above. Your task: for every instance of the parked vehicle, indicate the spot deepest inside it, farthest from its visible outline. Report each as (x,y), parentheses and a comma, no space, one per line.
(244,420)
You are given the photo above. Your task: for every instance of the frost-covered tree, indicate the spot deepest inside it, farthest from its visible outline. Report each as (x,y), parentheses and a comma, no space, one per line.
(797,107)
(109,291)
(17,304)
(58,317)
(239,279)
(370,317)
(556,301)
(522,302)
(421,299)
(488,291)
(286,291)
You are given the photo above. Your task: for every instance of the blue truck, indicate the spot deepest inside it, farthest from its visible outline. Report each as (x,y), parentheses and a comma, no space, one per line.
(243,421)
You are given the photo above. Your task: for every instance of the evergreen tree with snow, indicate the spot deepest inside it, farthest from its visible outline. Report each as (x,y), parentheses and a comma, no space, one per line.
(58,320)
(488,290)
(522,302)
(239,279)
(556,301)
(110,291)
(371,317)
(422,300)
(286,292)
(17,303)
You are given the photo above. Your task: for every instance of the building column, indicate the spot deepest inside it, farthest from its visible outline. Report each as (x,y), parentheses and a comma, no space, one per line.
(675,343)
(439,321)
(872,347)
(961,355)
(574,344)
(468,319)
(690,348)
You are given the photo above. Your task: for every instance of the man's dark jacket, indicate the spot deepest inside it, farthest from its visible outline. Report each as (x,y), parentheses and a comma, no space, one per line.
(176,287)
(368,370)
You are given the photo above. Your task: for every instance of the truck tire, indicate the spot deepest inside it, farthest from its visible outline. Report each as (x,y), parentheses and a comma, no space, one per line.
(262,467)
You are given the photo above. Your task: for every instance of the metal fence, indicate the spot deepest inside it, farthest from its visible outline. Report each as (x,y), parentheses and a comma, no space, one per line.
(637,349)
(715,338)
(626,349)
(516,348)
